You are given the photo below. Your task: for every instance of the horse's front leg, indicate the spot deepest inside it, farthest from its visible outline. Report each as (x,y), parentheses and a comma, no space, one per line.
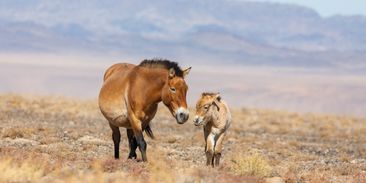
(132,143)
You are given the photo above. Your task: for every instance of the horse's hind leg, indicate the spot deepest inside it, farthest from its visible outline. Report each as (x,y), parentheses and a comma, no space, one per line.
(137,132)
(116,136)
(132,143)
(142,145)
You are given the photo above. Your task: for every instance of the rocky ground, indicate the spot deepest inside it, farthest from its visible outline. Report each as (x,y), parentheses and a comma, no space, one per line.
(57,139)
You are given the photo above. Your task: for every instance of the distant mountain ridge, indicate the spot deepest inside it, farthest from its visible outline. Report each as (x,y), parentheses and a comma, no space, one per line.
(236,31)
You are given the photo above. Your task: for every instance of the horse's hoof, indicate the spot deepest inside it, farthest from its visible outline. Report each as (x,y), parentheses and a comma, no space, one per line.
(132,156)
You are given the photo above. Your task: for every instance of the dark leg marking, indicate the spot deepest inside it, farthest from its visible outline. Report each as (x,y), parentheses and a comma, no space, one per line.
(142,145)
(132,143)
(217,159)
(116,136)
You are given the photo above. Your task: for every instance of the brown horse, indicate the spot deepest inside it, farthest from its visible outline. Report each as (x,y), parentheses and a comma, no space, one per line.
(130,95)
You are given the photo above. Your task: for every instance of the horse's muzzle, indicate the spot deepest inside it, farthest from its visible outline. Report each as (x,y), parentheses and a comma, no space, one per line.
(182,115)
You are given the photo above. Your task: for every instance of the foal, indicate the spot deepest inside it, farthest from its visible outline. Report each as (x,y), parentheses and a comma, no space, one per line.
(213,113)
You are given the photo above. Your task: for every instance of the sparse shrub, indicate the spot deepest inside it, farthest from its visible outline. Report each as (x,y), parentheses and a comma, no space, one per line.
(17,132)
(253,165)
(12,133)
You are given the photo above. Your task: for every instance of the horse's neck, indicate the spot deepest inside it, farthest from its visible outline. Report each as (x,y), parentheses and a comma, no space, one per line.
(152,89)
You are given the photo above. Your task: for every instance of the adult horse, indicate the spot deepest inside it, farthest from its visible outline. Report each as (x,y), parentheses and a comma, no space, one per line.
(130,95)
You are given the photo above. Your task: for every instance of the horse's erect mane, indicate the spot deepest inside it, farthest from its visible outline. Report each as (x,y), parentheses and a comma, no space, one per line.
(162,63)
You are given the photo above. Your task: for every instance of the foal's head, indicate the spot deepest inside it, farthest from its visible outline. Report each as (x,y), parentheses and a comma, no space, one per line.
(174,94)
(206,106)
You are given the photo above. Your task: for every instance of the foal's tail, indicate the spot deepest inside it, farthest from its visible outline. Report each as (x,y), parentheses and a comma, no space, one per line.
(149,132)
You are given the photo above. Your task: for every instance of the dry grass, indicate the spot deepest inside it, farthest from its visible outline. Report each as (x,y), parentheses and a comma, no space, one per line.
(253,165)
(35,171)
(58,139)
(27,171)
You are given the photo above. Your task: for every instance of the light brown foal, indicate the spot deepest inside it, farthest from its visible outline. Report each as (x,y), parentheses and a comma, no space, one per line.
(130,95)
(213,113)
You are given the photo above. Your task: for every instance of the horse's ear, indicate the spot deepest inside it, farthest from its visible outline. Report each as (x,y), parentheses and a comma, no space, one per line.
(186,71)
(171,73)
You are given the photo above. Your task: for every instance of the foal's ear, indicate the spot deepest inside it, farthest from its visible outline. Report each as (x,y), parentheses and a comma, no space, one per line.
(217,105)
(186,71)
(217,97)
(171,73)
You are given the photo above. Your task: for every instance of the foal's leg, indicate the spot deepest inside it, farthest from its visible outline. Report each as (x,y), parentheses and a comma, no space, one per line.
(210,145)
(132,143)
(218,148)
(116,136)
(206,131)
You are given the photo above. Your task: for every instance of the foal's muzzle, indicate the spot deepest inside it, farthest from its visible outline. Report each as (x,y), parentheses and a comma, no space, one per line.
(182,115)
(198,120)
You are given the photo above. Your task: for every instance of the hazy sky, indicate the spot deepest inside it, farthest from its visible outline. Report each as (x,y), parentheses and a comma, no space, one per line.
(330,7)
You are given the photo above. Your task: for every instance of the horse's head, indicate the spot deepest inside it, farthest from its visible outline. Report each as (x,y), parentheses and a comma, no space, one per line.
(174,95)
(206,106)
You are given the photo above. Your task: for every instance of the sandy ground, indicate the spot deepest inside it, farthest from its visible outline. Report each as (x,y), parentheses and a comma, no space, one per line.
(318,90)
(70,141)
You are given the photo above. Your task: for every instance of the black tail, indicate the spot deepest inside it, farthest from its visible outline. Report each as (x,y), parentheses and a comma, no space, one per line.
(149,132)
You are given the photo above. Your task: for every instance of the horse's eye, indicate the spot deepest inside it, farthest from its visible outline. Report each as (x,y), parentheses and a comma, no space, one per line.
(206,107)
(172,89)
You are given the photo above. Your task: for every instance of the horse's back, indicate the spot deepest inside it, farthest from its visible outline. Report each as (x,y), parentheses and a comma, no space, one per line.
(112,100)
(119,68)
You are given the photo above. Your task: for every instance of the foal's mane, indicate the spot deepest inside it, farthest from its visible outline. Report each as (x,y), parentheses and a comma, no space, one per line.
(209,93)
(162,63)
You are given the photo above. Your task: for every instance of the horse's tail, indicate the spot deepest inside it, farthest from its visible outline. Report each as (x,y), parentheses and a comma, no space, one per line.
(149,132)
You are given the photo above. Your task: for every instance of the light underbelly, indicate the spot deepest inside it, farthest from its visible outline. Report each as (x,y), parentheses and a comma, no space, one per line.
(116,116)
(121,121)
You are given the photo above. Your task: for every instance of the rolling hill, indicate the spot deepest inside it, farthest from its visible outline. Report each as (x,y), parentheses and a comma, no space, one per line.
(237,32)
